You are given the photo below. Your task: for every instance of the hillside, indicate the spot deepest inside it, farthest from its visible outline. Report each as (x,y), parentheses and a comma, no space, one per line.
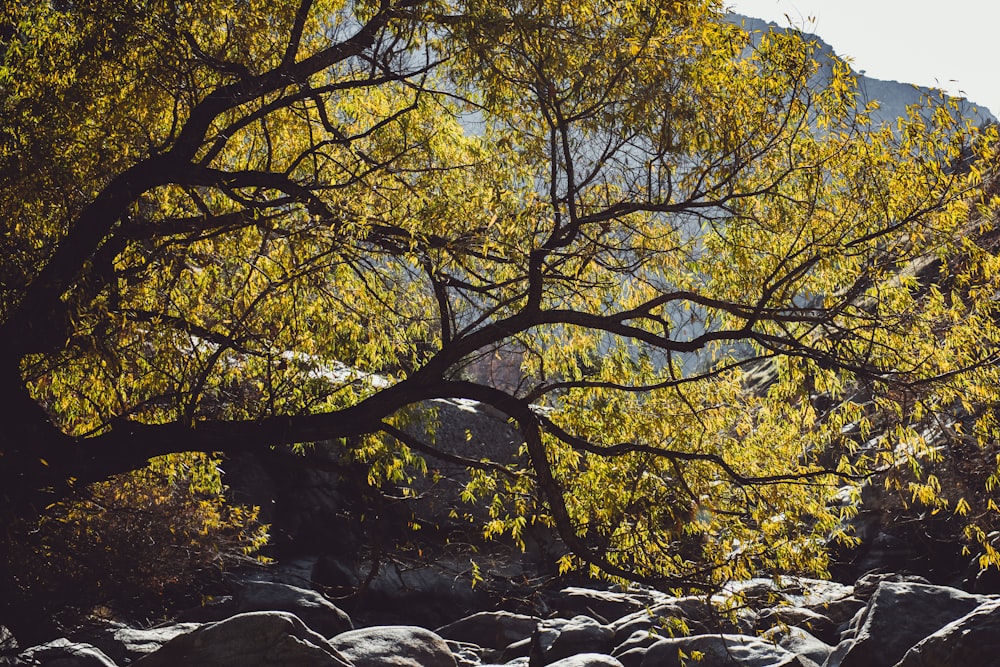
(893,96)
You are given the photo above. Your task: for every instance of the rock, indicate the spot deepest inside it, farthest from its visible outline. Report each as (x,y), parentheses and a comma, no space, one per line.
(126,645)
(640,639)
(431,595)
(693,611)
(973,639)
(521,649)
(840,611)
(838,653)
(632,657)
(866,586)
(814,593)
(491,629)
(587,660)
(560,638)
(318,613)
(818,625)
(470,655)
(899,615)
(799,642)
(8,646)
(254,639)
(722,650)
(604,605)
(394,646)
(64,653)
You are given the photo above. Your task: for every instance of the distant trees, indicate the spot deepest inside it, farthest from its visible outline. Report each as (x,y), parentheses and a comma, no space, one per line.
(204,201)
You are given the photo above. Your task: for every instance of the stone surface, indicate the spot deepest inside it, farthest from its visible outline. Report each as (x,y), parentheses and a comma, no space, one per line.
(899,615)
(694,611)
(799,642)
(559,638)
(8,646)
(318,613)
(640,639)
(587,660)
(721,650)
(817,624)
(840,611)
(64,653)
(471,655)
(394,646)
(491,629)
(255,639)
(604,605)
(971,640)
(125,645)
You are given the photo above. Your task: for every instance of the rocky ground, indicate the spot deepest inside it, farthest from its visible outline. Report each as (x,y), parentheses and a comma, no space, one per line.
(882,620)
(337,609)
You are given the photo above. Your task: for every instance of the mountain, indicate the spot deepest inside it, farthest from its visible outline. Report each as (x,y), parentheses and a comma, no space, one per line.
(892,96)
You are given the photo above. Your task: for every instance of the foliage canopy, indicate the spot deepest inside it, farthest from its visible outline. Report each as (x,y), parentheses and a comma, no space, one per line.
(235,225)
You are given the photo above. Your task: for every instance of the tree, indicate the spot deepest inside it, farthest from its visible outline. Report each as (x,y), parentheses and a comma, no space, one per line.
(206,202)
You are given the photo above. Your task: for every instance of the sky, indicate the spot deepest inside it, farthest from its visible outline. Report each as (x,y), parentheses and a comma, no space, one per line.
(946,44)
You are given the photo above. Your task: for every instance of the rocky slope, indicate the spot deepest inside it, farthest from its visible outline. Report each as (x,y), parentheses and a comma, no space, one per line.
(893,97)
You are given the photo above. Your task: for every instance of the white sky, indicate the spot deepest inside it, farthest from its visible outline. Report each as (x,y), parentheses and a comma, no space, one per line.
(949,44)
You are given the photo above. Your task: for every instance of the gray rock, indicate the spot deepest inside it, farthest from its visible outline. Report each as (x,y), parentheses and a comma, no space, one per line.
(813,593)
(8,646)
(255,639)
(560,638)
(521,649)
(721,650)
(394,646)
(693,611)
(313,609)
(632,657)
(431,594)
(866,586)
(604,605)
(490,629)
(640,639)
(587,660)
(64,653)
(470,655)
(838,653)
(799,642)
(899,615)
(840,611)
(817,624)
(973,639)
(126,645)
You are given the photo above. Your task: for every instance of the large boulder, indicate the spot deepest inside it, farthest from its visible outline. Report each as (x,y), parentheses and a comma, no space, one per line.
(394,646)
(604,605)
(559,638)
(490,629)
(310,607)
(430,594)
(255,639)
(125,645)
(65,653)
(817,624)
(799,642)
(722,650)
(973,639)
(899,615)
